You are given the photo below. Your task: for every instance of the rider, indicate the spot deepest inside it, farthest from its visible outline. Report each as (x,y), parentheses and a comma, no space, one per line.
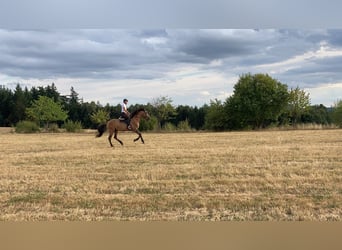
(124,112)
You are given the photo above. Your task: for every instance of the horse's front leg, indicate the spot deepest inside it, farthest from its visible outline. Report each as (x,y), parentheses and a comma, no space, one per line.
(139,137)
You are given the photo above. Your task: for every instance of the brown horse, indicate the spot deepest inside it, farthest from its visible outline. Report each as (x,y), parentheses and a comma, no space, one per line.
(115,125)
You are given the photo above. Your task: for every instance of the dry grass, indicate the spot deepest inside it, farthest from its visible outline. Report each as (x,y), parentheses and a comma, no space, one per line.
(270,175)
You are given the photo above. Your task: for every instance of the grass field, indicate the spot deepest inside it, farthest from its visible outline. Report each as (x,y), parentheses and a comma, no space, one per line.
(268,175)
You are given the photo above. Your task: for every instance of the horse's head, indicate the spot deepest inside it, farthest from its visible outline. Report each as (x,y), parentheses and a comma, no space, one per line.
(141,113)
(146,115)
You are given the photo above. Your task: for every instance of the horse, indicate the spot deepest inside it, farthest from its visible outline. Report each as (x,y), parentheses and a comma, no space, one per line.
(115,125)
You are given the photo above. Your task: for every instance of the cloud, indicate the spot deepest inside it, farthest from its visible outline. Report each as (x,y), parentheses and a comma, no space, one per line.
(190,65)
(321,93)
(138,54)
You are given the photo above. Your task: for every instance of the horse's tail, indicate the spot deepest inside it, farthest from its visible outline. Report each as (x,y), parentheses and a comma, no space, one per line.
(101,129)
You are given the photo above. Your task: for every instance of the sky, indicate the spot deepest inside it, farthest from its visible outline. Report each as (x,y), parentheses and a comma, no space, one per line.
(191,51)
(191,66)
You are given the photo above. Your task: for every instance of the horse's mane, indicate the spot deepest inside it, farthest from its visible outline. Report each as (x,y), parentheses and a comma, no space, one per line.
(134,113)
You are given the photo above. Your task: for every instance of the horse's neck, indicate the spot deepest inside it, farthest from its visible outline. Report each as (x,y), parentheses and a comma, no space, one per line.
(137,117)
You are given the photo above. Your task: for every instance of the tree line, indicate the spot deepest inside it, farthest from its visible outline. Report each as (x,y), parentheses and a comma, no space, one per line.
(258,101)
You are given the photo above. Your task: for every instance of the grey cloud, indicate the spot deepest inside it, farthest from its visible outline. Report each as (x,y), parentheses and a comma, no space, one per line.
(207,45)
(335,37)
(151,53)
(327,70)
(47,54)
(214,47)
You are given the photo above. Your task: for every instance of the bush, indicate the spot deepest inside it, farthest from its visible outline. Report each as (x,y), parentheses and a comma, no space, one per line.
(184,126)
(53,128)
(149,125)
(169,127)
(26,127)
(73,127)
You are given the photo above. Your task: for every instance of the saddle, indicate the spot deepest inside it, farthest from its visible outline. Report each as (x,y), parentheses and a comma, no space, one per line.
(125,120)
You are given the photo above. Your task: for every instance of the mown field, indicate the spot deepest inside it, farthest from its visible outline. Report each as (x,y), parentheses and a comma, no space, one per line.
(249,176)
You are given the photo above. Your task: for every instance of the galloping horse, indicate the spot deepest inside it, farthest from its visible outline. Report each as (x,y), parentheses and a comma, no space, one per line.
(115,125)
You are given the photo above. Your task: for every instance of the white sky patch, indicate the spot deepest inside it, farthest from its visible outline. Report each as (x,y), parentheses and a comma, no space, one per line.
(5,79)
(180,85)
(154,40)
(205,93)
(216,63)
(326,51)
(300,61)
(204,86)
(326,94)
(63,85)
(184,71)
(202,83)
(223,95)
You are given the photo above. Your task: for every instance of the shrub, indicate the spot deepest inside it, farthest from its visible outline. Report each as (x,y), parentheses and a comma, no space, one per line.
(26,127)
(149,125)
(169,127)
(73,127)
(53,128)
(184,126)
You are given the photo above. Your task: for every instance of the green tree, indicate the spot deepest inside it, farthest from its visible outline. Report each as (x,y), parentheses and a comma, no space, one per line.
(299,102)
(163,110)
(100,116)
(6,105)
(195,116)
(318,114)
(45,110)
(51,91)
(87,109)
(215,118)
(20,102)
(257,101)
(337,114)
(73,105)
(183,113)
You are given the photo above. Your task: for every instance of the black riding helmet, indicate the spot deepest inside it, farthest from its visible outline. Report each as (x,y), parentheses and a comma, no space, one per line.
(125,100)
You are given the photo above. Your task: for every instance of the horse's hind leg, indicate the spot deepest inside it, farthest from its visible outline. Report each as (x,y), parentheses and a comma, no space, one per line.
(116,137)
(110,138)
